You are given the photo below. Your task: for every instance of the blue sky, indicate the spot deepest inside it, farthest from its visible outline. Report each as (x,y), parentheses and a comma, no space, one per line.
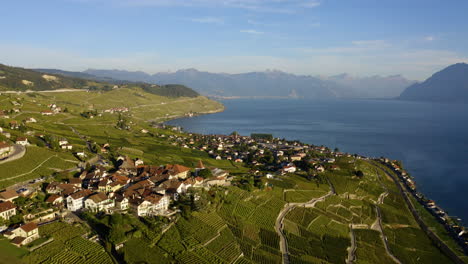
(313,37)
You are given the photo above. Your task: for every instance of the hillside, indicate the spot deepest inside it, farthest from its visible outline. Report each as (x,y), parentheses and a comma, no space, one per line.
(447,85)
(19,79)
(322,214)
(270,83)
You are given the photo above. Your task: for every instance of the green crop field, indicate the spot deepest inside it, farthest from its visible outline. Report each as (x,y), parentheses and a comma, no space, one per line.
(68,247)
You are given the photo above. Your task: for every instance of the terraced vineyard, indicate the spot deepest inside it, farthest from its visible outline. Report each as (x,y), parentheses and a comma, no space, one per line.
(68,246)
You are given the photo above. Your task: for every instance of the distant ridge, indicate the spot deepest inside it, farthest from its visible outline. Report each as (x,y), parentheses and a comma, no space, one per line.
(447,85)
(269,84)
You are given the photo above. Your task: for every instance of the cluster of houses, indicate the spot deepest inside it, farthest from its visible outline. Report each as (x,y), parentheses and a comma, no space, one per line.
(116,110)
(251,150)
(53,109)
(131,187)
(23,234)
(458,232)
(143,189)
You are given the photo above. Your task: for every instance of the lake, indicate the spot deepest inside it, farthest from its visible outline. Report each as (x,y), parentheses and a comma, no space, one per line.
(430,138)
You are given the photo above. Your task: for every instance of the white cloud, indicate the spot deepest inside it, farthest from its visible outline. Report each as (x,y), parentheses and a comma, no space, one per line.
(208,20)
(311,4)
(429,38)
(273,6)
(252,31)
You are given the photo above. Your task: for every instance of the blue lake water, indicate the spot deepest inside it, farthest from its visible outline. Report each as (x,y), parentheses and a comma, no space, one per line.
(430,138)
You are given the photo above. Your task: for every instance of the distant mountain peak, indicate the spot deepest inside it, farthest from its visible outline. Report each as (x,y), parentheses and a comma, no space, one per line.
(448,85)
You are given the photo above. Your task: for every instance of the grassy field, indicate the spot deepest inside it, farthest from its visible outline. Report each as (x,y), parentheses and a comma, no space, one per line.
(36,162)
(370,248)
(10,253)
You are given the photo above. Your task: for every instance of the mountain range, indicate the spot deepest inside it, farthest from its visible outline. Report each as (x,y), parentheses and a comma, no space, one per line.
(269,83)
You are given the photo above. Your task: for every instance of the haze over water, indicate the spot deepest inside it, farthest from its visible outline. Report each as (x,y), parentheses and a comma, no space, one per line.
(430,138)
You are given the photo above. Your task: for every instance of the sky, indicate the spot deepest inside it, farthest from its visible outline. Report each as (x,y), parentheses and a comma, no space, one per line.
(309,37)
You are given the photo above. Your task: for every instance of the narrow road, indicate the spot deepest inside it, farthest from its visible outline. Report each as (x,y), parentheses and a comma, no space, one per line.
(18,153)
(382,235)
(379,226)
(288,207)
(88,143)
(351,250)
(433,236)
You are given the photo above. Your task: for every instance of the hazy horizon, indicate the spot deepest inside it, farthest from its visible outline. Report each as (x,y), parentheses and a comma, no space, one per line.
(303,37)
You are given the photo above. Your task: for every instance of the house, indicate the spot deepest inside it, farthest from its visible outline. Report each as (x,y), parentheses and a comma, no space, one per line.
(295,158)
(290,168)
(67,146)
(8,195)
(174,187)
(121,203)
(14,125)
(151,205)
(177,171)
(139,162)
(31,120)
(75,201)
(81,154)
(55,199)
(25,234)
(5,149)
(99,202)
(319,168)
(7,210)
(335,167)
(219,172)
(77,182)
(63,142)
(22,141)
(198,182)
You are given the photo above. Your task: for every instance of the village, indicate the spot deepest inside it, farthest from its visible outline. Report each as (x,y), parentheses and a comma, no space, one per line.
(130,186)
(115,183)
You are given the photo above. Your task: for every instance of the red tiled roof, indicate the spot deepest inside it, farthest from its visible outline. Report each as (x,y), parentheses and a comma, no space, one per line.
(52,198)
(29,227)
(5,206)
(4,145)
(8,194)
(18,240)
(98,197)
(177,168)
(80,194)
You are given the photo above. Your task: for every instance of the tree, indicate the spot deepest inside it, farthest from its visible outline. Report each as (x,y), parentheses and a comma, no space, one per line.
(205,173)
(359,173)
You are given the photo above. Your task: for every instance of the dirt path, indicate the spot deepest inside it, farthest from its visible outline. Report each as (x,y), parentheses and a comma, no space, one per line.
(31,171)
(351,250)
(288,207)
